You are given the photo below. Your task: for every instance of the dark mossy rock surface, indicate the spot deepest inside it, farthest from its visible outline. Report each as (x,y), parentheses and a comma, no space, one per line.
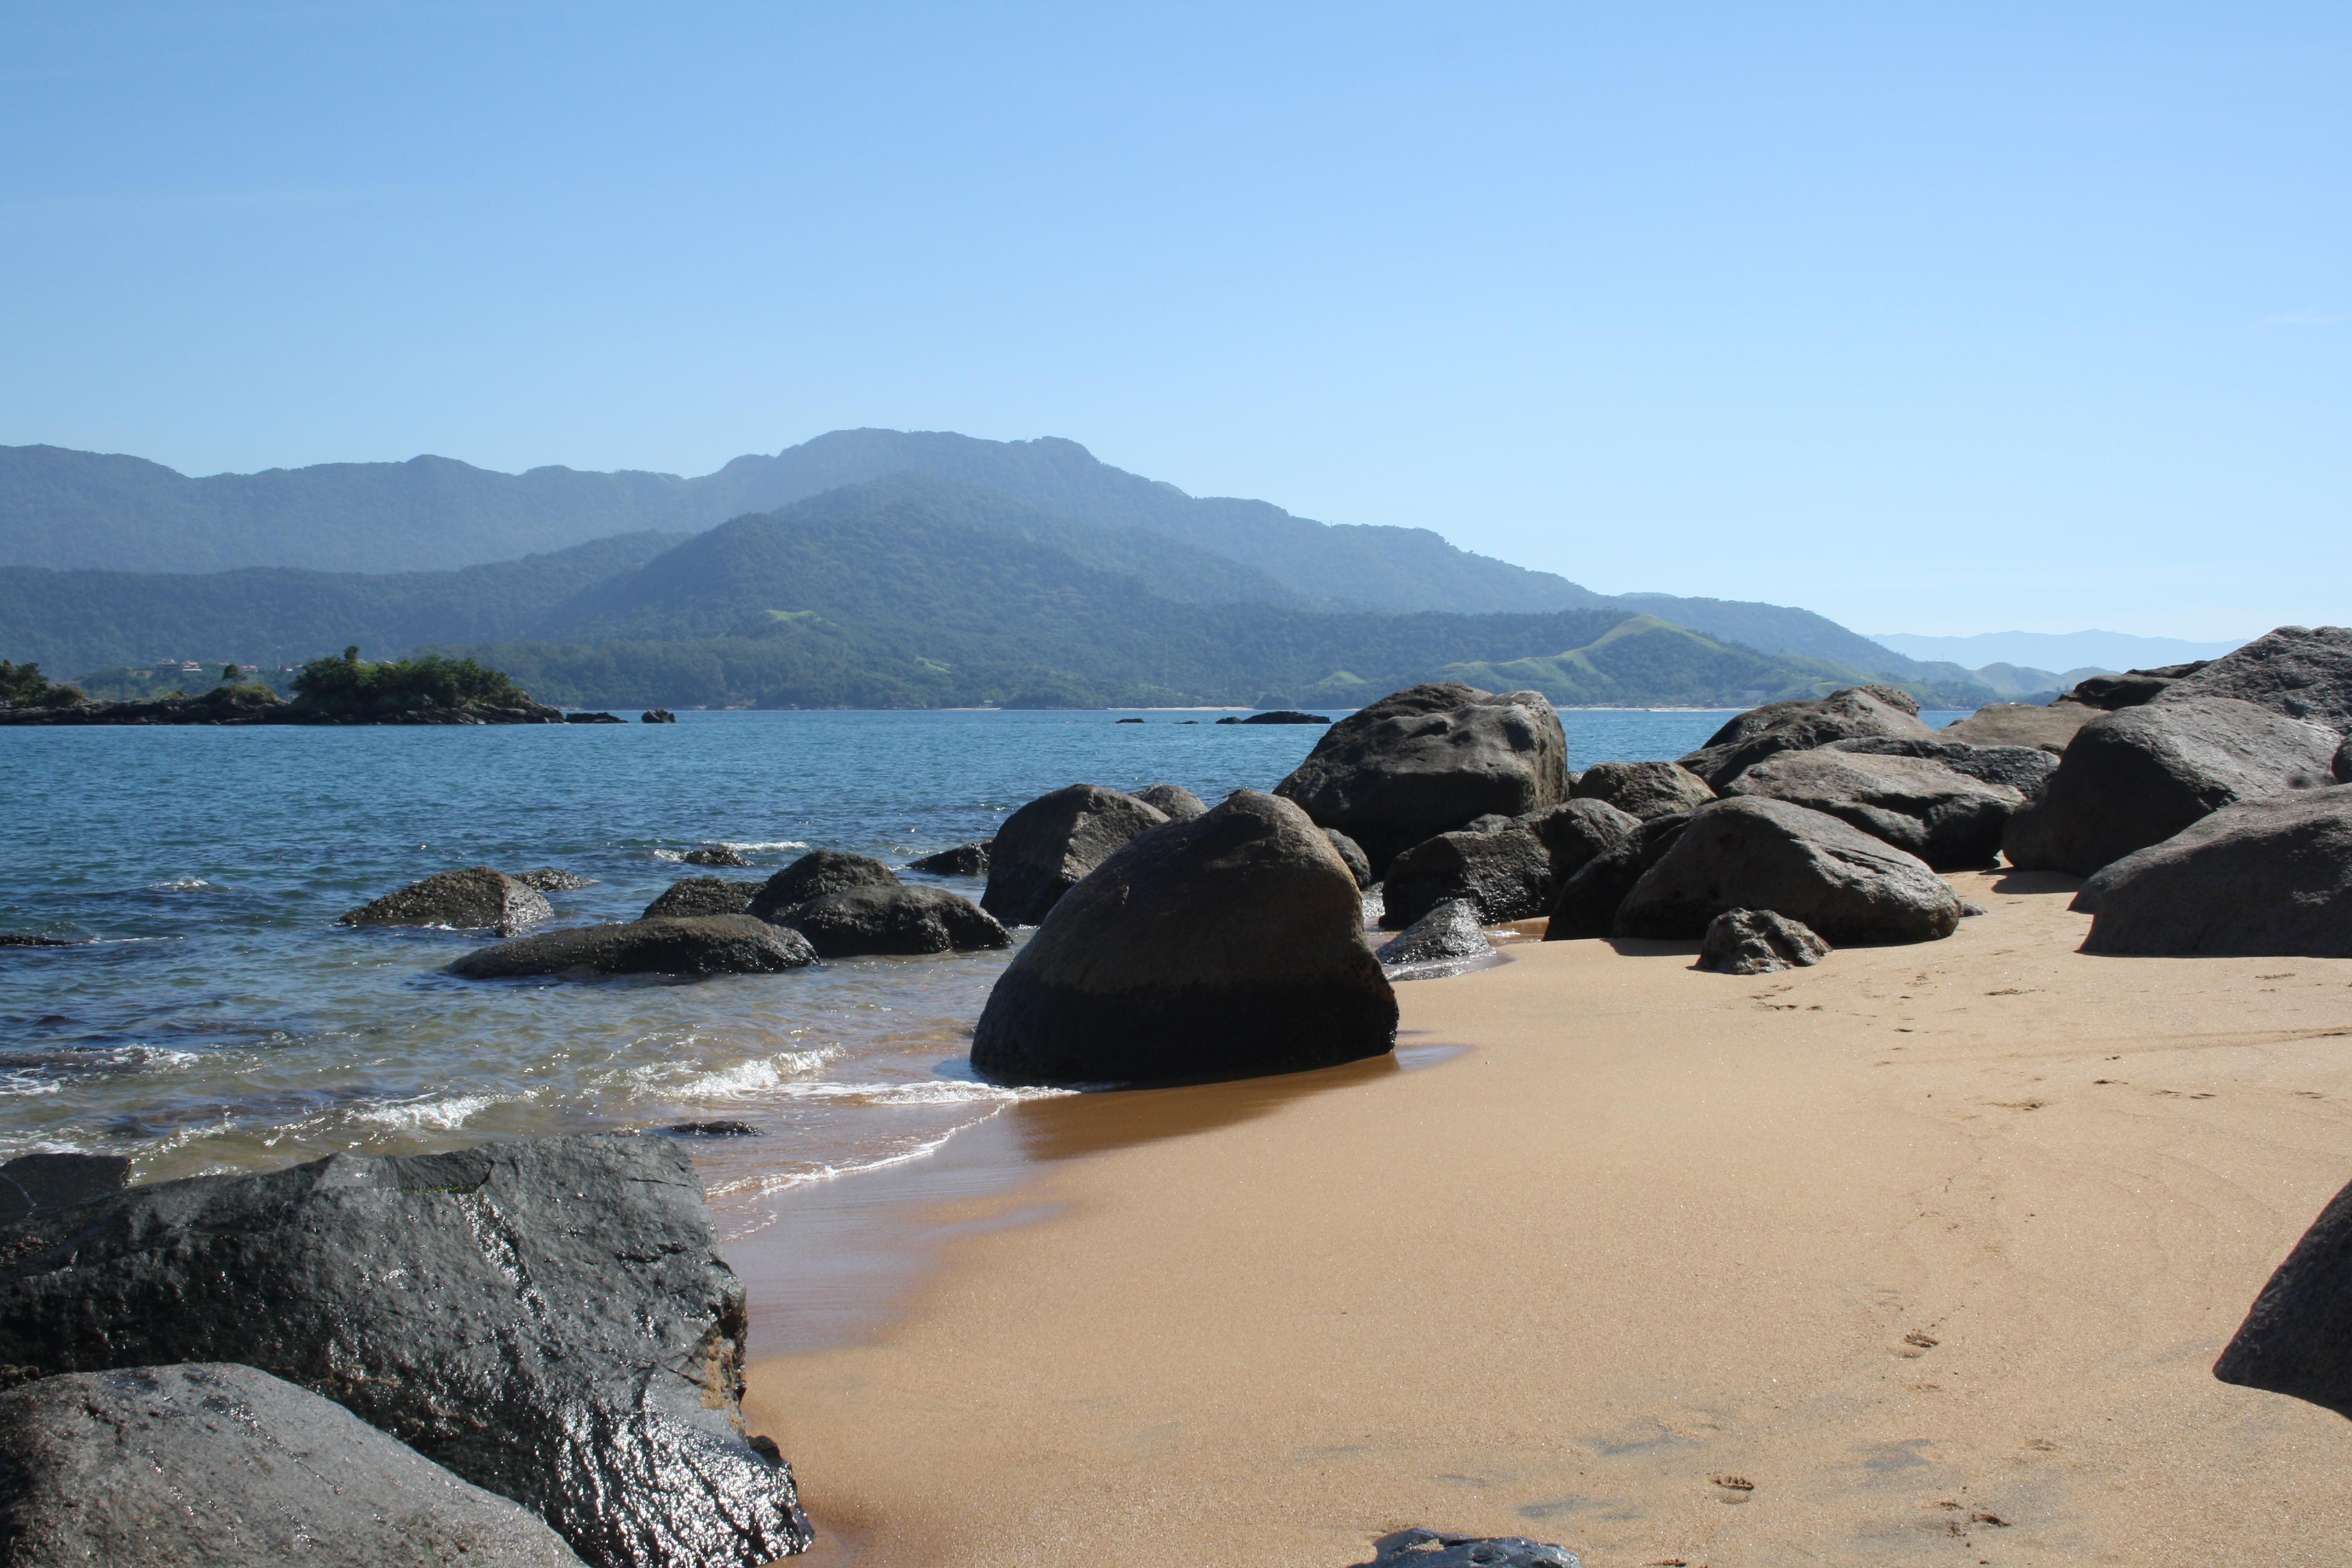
(35,1184)
(482,899)
(724,856)
(548,880)
(1750,853)
(897,920)
(963,860)
(547,1318)
(815,874)
(704,896)
(1046,847)
(689,946)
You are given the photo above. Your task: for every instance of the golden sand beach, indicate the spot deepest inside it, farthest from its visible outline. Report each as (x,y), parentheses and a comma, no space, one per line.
(1922,1256)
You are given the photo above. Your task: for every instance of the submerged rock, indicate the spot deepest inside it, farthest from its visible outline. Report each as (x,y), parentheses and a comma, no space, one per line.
(482,899)
(815,874)
(657,716)
(895,920)
(1642,789)
(2268,879)
(1222,947)
(1800,726)
(1046,847)
(547,1318)
(1447,937)
(225,1465)
(1280,716)
(1946,818)
(1750,853)
(1758,942)
(1180,804)
(2297,1338)
(1427,760)
(548,880)
(963,860)
(704,896)
(722,855)
(684,945)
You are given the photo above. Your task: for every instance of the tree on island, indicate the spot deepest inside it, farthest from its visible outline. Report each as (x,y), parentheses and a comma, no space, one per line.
(347,685)
(23,686)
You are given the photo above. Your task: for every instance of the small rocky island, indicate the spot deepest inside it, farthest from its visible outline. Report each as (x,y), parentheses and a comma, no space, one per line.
(428,690)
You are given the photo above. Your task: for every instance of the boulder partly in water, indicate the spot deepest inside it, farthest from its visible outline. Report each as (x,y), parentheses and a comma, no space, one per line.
(815,874)
(2267,879)
(1446,940)
(1758,942)
(689,946)
(548,880)
(482,899)
(723,855)
(1946,818)
(898,920)
(963,860)
(225,1465)
(548,1318)
(1045,848)
(703,896)
(1180,804)
(1751,853)
(1227,946)
(35,1184)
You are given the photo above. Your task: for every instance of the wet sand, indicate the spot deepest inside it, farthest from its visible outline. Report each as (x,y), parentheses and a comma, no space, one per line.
(1919,1257)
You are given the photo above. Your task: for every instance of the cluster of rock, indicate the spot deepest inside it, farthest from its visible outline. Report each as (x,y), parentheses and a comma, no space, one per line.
(259,705)
(526,1353)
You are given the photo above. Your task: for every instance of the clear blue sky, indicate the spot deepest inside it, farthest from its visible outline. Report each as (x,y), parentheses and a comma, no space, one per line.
(1943,319)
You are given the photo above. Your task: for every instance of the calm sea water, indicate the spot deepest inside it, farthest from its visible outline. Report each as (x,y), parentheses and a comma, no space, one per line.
(219,1020)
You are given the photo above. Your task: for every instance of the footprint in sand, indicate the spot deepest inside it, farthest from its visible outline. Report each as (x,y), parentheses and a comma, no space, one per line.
(1917,1344)
(1733,1489)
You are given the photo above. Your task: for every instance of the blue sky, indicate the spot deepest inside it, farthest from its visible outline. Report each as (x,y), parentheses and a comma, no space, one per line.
(1939,318)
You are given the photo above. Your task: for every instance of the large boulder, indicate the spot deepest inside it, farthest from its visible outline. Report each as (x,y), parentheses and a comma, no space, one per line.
(2268,879)
(2022,724)
(482,899)
(704,896)
(1642,789)
(1045,848)
(1445,941)
(963,860)
(1352,854)
(1800,726)
(167,1466)
(1587,902)
(2025,769)
(1947,819)
(815,874)
(2130,689)
(1758,942)
(34,1183)
(2297,1338)
(2138,776)
(690,946)
(1222,947)
(1427,760)
(894,919)
(1181,803)
(547,1318)
(1752,852)
(2299,671)
(1510,873)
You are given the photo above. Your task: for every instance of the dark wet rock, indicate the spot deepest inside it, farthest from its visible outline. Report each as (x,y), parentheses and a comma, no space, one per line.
(1446,938)
(1750,853)
(548,880)
(1126,720)
(963,860)
(1429,759)
(657,716)
(2297,1338)
(2025,769)
(34,939)
(1044,848)
(1280,716)
(1587,902)
(593,718)
(815,874)
(1180,804)
(547,1318)
(238,705)
(894,919)
(1223,947)
(2022,724)
(704,896)
(225,1465)
(479,900)
(2112,693)
(35,1184)
(1428,1548)
(713,1129)
(1946,818)
(1512,873)
(684,945)
(2299,671)
(2267,879)
(721,854)
(2138,776)
(1800,726)
(1758,942)
(1642,789)
(1352,854)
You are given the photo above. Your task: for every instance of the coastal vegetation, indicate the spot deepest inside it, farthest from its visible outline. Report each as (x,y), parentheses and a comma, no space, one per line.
(350,686)
(23,686)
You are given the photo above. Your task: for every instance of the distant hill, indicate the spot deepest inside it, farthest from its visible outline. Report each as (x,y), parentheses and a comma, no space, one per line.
(2098,651)
(65,509)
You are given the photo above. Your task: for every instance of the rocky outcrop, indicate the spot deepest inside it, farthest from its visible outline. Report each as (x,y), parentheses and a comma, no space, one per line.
(815,874)
(1180,804)
(1588,901)
(2138,776)
(2025,769)
(1446,940)
(593,718)
(684,945)
(724,856)
(245,705)
(34,938)
(1800,726)
(1758,942)
(2022,724)
(1280,716)
(225,1465)
(479,900)
(35,1184)
(1222,947)
(963,860)
(657,716)
(1428,1548)
(1427,760)
(1510,873)
(2298,671)
(1046,847)
(704,896)
(1947,819)
(1642,789)
(897,919)
(546,1318)
(2112,693)
(1351,855)
(2297,1338)
(1750,853)
(2268,879)
(548,880)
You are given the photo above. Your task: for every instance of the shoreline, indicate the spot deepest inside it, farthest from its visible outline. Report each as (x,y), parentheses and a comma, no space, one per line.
(1932,1246)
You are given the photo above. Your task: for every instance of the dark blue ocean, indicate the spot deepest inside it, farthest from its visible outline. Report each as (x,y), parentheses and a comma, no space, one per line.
(216,1018)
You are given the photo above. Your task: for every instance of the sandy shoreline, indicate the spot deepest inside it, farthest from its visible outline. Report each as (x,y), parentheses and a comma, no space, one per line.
(1931,1247)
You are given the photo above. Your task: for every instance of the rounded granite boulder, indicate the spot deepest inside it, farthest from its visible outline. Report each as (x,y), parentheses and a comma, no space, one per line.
(858,921)
(482,899)
(689,945)
(815,874)
(1046,847)
(1227,946)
